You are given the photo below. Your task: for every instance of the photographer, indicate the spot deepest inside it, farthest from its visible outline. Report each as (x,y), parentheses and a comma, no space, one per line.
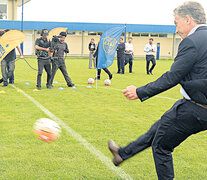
(60,47)
(42,46)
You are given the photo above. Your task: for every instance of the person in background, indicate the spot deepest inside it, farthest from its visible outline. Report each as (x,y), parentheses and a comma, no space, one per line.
(120,56)
(129,54)
(59,49)
(42,46)
(92,48)
(98,77)
(150,49)
(8,65)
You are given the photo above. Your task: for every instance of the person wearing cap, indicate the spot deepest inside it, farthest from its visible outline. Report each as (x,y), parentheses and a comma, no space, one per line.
(59,48)
(129,54)
(42,46)
(92,48)
(8,64)
(150,49)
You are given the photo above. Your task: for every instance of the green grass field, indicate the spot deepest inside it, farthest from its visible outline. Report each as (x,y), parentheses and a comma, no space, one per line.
(97,115)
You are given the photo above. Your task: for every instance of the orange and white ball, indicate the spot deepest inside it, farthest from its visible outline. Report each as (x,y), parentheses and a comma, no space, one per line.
(47,130)
(107,82)
(90,81)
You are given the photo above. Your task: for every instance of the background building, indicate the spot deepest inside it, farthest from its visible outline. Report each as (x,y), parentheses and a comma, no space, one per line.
(8,9)
(79,34)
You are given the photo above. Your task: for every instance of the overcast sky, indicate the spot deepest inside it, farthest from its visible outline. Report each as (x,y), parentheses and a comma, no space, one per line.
(105,11)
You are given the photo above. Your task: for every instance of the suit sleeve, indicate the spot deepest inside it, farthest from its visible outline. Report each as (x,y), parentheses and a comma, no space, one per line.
(89,46)
(96,53)
(184,61)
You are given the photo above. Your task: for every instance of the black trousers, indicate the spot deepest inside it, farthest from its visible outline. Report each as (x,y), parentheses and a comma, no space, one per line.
(63,69)
(120,63)
(11,79)
(181,121)
(150,58)
(129,59)
(7,69)
(106,70)
(44,64)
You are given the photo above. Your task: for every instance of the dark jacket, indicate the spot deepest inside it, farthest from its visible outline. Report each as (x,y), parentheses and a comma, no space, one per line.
(189,69)
(44,43)
(95,55)
(120,49)
(92,48)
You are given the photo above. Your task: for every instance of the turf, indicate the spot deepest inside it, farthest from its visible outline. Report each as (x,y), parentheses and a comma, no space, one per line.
(96,114)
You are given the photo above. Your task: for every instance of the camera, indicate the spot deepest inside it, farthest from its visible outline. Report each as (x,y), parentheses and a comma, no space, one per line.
(55,39)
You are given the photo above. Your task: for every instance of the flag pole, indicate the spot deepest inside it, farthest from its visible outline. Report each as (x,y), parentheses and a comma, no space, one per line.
(125,34)
(22,26)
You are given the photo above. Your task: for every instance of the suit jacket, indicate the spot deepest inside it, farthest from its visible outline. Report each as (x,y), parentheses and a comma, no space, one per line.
(95,55)
(189,69)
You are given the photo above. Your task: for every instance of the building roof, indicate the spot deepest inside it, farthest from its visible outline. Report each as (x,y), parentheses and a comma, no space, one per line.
(100,27)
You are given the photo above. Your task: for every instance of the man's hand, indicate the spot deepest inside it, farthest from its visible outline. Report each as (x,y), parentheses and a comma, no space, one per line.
(130,93)
(93,58)
(21,57)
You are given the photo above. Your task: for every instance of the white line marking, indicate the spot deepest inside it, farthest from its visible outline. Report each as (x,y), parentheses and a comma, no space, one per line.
(110,88)
(78,137)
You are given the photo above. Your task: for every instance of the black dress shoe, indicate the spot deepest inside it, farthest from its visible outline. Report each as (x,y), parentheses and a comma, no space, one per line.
(117,160)
(151,73)
(38,88)
(5,85)
(1,80)
(71,85)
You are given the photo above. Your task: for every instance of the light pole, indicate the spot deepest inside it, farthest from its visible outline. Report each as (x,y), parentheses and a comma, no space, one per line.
(22,23)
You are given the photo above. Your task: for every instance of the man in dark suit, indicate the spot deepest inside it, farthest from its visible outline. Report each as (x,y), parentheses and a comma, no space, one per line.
(187,116)
(120,56)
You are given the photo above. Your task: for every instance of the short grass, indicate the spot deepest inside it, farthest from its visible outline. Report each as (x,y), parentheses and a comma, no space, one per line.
(98,115)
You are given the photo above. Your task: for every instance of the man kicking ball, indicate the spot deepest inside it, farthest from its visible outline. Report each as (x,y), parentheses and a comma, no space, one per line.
(187,116)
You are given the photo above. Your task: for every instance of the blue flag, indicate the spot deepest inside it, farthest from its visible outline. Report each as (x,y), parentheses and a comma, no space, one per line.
(108,45)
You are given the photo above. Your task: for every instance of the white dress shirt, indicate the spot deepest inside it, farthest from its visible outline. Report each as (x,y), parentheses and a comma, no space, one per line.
(149,47)
(129,47)
(182,91)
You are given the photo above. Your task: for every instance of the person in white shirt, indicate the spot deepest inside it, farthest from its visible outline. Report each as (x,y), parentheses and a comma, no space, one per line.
(129,54)
(150,49)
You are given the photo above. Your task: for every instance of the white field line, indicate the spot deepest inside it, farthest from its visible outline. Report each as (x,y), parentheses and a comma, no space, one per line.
(110,88)
(105,160)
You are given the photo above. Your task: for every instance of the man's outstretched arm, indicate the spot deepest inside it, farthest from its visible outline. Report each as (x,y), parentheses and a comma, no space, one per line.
(182,65)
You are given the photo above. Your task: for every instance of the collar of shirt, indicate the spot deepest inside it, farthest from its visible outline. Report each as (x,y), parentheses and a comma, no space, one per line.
(195,28)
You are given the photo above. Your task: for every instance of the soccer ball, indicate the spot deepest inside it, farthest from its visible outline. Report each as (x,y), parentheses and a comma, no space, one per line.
(46,129)
(90,81)
(107,82)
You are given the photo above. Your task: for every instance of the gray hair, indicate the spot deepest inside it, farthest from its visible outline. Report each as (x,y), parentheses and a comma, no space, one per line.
(192,9)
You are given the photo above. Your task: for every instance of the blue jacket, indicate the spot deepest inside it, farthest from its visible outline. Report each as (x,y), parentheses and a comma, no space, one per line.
(189,69)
